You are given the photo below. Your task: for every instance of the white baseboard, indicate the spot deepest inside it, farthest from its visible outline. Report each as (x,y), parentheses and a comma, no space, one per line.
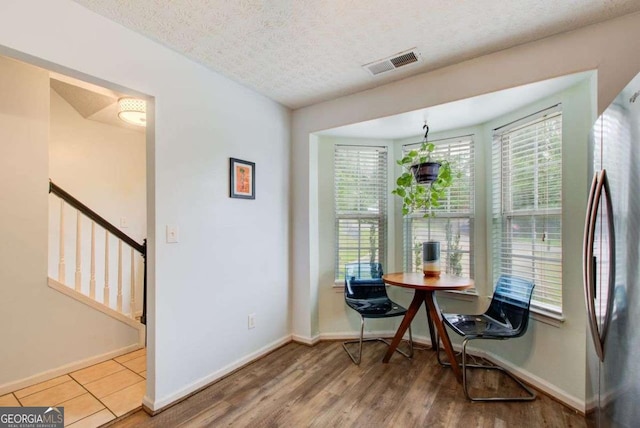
(539,383)
(348,335)
(67,368)
(310,341)
(167,401)
(533,380)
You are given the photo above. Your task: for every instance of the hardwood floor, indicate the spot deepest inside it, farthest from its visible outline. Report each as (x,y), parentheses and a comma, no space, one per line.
(319,386)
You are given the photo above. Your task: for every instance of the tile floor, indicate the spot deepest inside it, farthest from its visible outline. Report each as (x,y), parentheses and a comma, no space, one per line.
(93,396)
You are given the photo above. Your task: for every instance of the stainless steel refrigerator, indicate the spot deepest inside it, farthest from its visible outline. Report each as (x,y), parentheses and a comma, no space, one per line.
(611,263)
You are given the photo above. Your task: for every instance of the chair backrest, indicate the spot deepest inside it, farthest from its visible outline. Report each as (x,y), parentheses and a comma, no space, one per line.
(510,303)
(363,281)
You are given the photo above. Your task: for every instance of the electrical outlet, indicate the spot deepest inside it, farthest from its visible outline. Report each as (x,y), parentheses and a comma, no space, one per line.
(251,321)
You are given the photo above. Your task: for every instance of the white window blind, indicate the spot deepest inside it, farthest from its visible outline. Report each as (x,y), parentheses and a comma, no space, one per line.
(452,224)
(360,192)
(527,205)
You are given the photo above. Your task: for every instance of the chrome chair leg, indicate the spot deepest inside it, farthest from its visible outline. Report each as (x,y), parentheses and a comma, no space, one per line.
(531,395)
(357,360)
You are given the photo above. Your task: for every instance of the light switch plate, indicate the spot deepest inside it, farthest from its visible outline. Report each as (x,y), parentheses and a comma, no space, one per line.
(172,234)
(124,223)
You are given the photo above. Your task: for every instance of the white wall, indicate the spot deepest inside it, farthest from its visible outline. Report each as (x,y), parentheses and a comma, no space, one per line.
(100,164)
(42,330)
(604,47)
(104,167)
(233,254)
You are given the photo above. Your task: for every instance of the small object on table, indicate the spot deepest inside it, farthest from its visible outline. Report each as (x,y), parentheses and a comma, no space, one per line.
(431,258)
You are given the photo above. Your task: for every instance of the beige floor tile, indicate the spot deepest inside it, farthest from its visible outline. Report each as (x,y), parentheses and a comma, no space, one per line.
(55,395)
(9,400)
(112,383)
(131,355)
(96,372)
(143,374)
(95,420)
(80,407)
(137,364)
(126,400)
(42,386)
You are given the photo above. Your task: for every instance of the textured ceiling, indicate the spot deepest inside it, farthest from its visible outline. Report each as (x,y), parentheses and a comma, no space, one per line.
(90,101)
(85,102)
(300,52)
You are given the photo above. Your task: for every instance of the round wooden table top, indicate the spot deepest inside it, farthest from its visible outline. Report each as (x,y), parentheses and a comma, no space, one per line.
(418,281)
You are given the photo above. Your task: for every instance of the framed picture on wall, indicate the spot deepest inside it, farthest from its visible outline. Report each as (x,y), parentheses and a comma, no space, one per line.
(242,179)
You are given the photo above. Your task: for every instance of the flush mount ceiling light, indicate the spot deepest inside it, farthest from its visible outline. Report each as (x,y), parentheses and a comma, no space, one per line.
(133,111)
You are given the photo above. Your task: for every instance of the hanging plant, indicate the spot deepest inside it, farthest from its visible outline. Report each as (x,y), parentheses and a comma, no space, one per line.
(424,182)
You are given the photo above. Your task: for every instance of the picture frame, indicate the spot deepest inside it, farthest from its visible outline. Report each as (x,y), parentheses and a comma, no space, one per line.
(242,179)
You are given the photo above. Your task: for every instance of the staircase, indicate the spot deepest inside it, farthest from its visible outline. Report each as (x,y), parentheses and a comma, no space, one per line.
(110,267)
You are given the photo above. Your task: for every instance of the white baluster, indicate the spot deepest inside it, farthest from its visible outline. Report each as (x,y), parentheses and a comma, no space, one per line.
(106,268)
(132,303)
(119,276)
(92,279)
(61,264)
(78,278)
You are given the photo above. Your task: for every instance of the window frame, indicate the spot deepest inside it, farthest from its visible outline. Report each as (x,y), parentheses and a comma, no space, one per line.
(381,217)
(441,213)
(501,218)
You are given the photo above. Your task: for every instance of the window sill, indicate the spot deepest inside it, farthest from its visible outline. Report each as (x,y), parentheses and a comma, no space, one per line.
(537,314)
(467,296)
(550,318)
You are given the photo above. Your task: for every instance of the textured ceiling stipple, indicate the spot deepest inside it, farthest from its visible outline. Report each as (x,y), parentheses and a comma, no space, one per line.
(84,101)
(300,52)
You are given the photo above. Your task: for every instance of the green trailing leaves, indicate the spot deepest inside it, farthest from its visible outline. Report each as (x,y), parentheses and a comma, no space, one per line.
(418,197)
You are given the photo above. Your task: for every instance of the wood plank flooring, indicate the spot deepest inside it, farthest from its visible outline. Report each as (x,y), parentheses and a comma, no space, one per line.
(300,386)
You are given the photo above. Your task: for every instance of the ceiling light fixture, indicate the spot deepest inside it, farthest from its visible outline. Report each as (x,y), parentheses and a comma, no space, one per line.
(133,111)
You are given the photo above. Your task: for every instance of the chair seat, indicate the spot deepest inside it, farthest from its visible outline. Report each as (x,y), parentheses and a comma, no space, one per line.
(480,326)
(381,307)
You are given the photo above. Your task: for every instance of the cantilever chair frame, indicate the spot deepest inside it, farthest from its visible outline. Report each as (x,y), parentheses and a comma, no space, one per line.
(359,341)
(357,359)
(531,395)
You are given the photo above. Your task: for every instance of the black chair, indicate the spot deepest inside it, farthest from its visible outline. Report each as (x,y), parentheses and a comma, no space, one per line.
(506,318)
(365,293)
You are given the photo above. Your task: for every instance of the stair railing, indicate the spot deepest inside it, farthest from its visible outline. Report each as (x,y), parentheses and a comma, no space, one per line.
(110,229)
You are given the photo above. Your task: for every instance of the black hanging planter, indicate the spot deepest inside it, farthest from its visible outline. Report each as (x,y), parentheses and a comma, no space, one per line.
(426,172)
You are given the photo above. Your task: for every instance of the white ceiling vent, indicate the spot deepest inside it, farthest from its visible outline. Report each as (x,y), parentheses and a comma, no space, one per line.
(393,62)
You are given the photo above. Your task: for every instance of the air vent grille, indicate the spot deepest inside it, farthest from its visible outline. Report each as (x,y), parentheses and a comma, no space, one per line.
(392,63)
(405,59)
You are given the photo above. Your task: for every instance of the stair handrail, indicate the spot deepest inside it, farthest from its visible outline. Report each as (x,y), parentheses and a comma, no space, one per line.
(140,248)
(64,195)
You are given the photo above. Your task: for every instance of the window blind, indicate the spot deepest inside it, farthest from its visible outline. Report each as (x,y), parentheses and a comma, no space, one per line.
(360,196)
(452,223)
(527,205)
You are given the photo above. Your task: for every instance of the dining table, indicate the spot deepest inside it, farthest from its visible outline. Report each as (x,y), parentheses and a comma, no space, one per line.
(424,291)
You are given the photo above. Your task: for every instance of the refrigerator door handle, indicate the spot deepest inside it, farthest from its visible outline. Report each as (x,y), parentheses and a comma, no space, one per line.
(588,264)
(611,284)
(599,335)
